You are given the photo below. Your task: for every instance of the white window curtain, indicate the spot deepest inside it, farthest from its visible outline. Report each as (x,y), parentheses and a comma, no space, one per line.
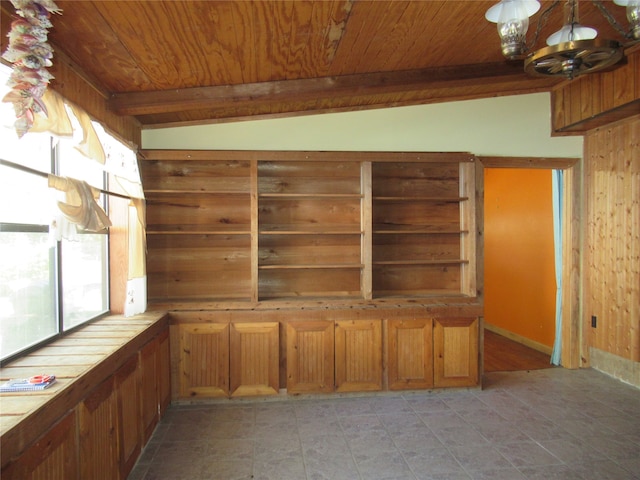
(558,194)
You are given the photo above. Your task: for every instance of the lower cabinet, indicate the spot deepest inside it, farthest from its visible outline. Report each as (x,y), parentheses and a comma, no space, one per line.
(228,359)
(53,457)
(321,356)
(455,342)
(410,354)
(101,437)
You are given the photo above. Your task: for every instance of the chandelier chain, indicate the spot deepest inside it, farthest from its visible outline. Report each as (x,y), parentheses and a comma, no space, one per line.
(611,19)
(542,21)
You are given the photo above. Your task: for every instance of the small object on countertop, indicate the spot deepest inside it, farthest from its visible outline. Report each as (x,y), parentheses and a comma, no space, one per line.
(36,382)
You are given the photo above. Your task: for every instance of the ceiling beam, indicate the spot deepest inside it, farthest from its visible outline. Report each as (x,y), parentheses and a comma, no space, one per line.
(295,91)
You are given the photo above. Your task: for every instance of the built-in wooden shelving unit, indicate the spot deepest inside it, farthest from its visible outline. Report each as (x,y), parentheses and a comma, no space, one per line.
(263,226)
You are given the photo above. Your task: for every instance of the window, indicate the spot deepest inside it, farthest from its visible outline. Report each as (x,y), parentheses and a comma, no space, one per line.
(47,285)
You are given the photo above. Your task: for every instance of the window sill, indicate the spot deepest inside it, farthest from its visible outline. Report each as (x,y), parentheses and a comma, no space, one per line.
(80,361)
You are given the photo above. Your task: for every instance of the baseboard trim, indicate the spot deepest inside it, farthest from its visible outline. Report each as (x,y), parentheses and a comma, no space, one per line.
(617,367)
(519,338)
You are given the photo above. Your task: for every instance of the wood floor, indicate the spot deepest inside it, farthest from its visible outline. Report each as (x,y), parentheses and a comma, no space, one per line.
(504,355)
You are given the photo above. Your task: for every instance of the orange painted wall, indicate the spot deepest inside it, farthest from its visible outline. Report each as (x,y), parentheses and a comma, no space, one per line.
(520,283)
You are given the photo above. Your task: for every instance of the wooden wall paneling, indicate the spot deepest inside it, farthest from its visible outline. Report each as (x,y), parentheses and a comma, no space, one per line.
(612,257)
(203,360)
(53,456)
(98,431)
(149,389)
(410,353)
(129,425)
(310,356)
(254,358)
(597,100)
(358,350)
(455,352)
(164,371)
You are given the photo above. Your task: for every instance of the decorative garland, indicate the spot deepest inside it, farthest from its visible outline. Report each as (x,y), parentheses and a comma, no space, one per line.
(30,55)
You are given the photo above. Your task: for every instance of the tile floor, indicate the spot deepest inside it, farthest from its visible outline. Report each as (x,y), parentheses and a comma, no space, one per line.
(542,424)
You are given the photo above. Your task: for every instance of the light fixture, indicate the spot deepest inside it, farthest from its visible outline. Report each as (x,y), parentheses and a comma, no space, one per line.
(572,50)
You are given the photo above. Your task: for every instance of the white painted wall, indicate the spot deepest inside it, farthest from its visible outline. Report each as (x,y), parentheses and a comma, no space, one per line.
(517,125)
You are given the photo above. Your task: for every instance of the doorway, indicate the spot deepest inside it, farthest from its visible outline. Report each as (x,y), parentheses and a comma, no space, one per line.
(519,269)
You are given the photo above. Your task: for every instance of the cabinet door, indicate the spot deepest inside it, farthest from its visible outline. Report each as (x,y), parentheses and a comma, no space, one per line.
(204,360)
(97,418)
(164,372)
(456,352)
(52,457)
(410,351)
(358,355)
(254,358)
(149,388)
(310,355)
(127,389)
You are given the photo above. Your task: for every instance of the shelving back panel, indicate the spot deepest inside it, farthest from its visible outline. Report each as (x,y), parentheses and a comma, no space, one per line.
(230,176)
(309,214)
(198,212)
(308,283)
(198,267)
(315,250)
(309,178)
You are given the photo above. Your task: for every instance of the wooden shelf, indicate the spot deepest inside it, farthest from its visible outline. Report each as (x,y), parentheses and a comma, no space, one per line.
(310,266)
(197,231)
(310,230)
(319,196)
(422,262)
(417,229)
(420,199)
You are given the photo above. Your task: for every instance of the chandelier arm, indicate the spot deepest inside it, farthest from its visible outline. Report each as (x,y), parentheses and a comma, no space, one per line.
(542,21)
(611,19)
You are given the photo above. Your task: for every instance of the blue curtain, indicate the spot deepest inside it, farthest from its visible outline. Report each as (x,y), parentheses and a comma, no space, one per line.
(557,241)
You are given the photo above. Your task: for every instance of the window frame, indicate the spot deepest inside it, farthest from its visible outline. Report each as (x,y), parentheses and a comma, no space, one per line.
(58,257)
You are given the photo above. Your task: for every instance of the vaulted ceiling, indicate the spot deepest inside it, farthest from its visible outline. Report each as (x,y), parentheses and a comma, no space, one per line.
(189,62)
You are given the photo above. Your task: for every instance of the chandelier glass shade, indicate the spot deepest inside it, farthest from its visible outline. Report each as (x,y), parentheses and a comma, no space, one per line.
(572,50)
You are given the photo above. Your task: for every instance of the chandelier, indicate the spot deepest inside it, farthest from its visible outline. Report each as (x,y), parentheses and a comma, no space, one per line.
(571,51)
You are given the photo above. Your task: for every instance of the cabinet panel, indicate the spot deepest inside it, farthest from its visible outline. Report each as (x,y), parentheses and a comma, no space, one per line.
(97,418)
(204,360)
(410,354)
(310,356)
(358,345)
(254,362)
(52,457)
(455,352)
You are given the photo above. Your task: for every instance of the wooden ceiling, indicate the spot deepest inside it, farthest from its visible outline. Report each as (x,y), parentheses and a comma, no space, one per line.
(188,62)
